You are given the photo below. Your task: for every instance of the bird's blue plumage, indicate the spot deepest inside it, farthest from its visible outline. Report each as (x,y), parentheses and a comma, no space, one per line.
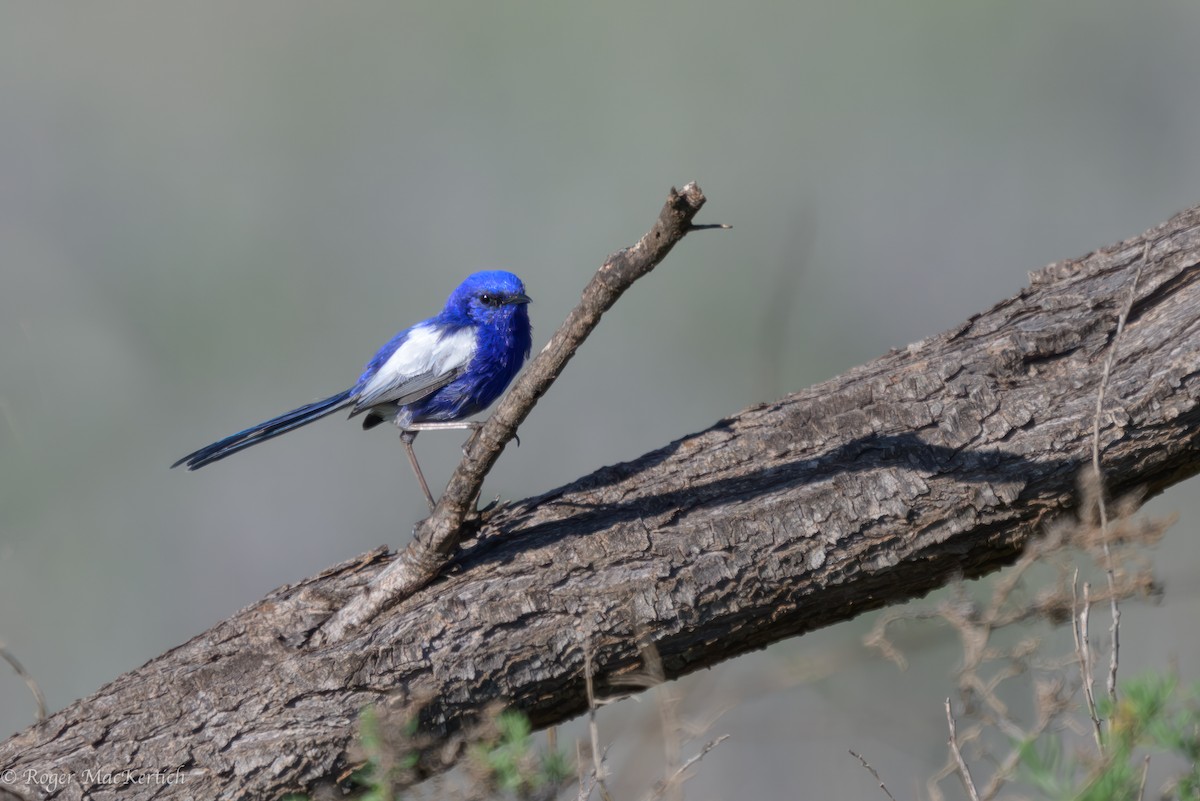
(443,369)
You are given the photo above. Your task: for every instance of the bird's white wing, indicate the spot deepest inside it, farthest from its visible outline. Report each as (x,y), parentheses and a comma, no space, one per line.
(426,361)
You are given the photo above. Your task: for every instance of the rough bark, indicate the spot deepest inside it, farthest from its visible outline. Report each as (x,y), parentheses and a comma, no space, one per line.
(930,462)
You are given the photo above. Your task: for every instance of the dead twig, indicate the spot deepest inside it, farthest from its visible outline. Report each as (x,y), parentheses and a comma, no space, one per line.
(1083,649)
(598,771)
(867,765)
(676,779)
(1115,610)
(653,675)
(584,791)
(38,698)
(672,787)
(963,770)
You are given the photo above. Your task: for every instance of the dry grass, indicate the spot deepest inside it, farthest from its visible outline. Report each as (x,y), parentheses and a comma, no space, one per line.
(1114,539)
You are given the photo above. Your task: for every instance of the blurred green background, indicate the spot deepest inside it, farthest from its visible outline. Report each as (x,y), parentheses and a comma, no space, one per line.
(211,213)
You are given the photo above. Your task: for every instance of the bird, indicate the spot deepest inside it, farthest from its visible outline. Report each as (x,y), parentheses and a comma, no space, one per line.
(430,376)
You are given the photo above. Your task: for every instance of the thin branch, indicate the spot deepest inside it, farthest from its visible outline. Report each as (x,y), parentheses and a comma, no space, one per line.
(676,779)
(668,719)
(653,675)
(438,537)
(867,765)
(1085,666)
(593,730)
(34,689)
(710,745)
(1079,631)
(1115,627)
(585,791)
(963,770)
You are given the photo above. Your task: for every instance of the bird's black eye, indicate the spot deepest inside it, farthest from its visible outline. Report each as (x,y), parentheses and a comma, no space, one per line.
(490,300)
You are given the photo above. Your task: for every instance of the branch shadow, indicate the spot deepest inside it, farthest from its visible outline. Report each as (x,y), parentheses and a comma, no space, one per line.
(871,452)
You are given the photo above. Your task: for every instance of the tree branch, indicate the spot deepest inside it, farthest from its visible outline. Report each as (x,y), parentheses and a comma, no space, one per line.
(438,537)
(934,461)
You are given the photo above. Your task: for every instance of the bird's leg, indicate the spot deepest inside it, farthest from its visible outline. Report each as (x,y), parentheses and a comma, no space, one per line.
(469,424)
(410,433)
(407,437)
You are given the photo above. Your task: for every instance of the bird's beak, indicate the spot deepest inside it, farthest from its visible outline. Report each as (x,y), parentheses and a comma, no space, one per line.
(519,299)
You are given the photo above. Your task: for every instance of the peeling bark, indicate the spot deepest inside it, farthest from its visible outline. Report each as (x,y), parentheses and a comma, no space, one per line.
(937,460)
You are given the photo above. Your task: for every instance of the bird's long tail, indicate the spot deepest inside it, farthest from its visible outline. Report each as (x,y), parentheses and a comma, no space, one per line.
(265,431)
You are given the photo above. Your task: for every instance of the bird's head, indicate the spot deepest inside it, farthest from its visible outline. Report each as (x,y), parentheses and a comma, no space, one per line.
(493,298)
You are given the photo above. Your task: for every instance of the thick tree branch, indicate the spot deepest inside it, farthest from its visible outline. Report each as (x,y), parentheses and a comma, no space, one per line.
(937,460)
(438,537)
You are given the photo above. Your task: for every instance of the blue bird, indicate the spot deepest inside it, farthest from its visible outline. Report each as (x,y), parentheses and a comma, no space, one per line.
(429,376)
